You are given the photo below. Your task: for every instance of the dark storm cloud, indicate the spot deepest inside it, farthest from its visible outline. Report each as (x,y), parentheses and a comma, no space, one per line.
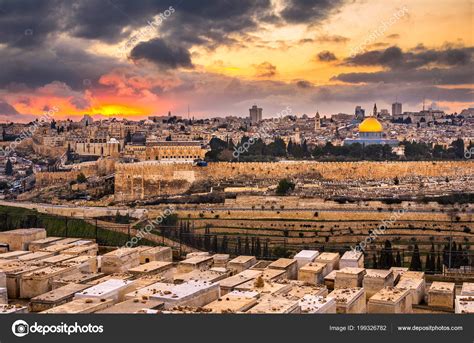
(37,67)
(211,23)
(298,11)
(29,22)
(448,66)
(393,57)
(162,53)
(326,56)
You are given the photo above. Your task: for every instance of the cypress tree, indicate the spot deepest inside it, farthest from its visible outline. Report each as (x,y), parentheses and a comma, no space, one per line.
(258,248)
(9,168)
(415,259)
(224,245)
(374,261)
(399,259)
(247,246)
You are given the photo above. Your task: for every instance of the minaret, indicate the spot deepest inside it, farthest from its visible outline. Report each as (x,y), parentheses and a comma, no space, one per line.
(374,114)
(317,121)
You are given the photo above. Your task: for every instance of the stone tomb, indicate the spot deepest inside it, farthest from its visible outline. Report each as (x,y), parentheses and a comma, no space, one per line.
(275,304)
(192,293)
(349,300)
(86,249)
(300,289)
(3,279)
(40,281)
(195,263)
(87,264)
(241,263)
(305,256)
(55,297)
(397,273)
(54,259)
(221,260)
(146,292)
(114,289)
(13,255)
(227,285)
(317,304)
(211,275)
(441,294)
(12,309)
(3,295)
(349,277)
(464,304)
(352,259)
(416,287)
(42,243)
(330,279)
(120,260)
(36,256)
(82,305)
(14,271)
(76,277)
(375,280)
(20,238)
(264,287)
(232,303)
(273,274)
(133,305)
(390,300)
(331,259)
(153,267)
(164,254)
(467,289)
(290,266)
(312,273)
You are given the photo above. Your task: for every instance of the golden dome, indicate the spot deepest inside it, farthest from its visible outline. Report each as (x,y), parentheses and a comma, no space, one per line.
(370,124)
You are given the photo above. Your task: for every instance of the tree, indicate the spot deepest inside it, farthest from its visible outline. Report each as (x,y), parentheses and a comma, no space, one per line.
(386,256)
(215,246)
(9,168)
(439,267)
(81,178)
(281,252)
(258,248)
(238,248)
(266,252)
(284,187)
(247,246)
(398,262)
(224,245)
(415,259)
(374,261)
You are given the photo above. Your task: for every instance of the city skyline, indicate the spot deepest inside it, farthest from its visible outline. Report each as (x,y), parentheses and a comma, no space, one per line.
(133,60)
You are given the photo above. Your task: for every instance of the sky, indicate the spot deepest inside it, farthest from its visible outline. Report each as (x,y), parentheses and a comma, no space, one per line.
(135,58)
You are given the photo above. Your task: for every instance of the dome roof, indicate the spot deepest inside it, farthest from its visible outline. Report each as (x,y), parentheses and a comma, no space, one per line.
(370,124)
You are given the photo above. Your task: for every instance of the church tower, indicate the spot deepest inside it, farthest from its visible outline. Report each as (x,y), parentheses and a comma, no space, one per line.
(374,114)
(317,121)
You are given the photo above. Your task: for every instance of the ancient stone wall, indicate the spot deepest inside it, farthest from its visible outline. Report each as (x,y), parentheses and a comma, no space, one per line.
(98,168)
(140,180)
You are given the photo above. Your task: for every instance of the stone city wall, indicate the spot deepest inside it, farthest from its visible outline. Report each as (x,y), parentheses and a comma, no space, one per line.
(99,168)
(140,180)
